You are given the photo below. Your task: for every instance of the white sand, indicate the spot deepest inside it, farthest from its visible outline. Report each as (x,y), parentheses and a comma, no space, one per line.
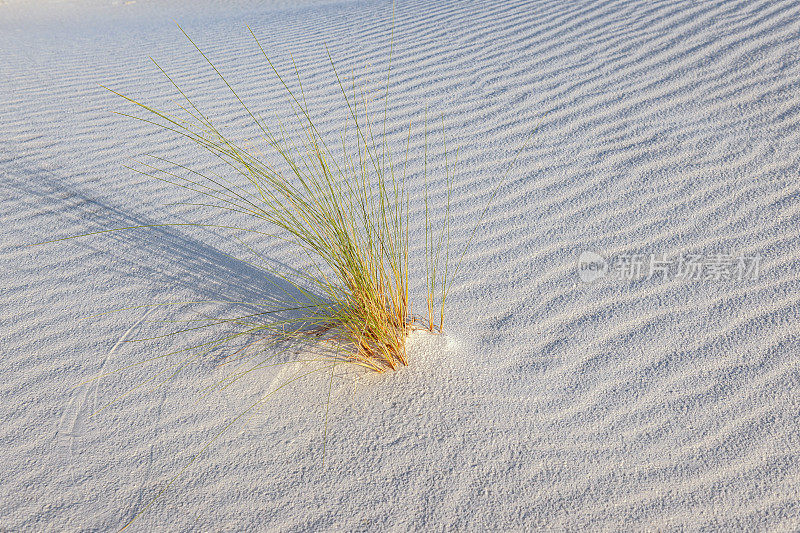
(552,403)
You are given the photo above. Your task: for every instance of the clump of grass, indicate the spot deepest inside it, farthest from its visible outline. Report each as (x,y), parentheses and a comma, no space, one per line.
(346,210)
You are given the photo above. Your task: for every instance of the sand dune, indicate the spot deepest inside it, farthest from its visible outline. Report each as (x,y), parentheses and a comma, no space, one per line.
(632,402)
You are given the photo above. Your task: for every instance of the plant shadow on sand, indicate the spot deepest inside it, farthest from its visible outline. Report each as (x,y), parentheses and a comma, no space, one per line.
(163,260)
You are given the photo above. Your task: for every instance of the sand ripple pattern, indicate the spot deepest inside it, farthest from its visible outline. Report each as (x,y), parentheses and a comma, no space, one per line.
(666,127)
